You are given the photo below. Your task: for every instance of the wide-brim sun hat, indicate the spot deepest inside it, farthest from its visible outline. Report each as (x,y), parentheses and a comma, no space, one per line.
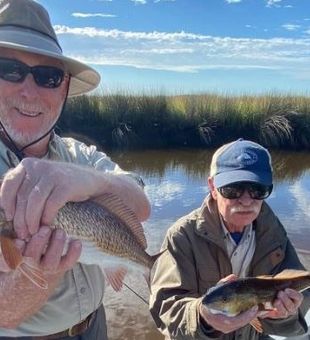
(25,26)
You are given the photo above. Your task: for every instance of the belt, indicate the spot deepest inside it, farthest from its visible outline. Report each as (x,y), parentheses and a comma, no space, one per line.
(77,329)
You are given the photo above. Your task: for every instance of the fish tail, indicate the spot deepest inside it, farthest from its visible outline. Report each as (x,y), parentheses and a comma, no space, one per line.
(34,274)
(154,258)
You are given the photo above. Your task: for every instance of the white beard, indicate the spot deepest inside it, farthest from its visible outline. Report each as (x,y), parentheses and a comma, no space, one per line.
(22,138)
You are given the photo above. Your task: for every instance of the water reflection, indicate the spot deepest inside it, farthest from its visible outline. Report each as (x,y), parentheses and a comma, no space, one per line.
(176,184)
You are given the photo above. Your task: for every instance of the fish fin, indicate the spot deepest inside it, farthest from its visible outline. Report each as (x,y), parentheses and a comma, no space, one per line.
(115,277)
(265,277)
(16,261)
(155,257)
(34,274)
(12,256)
(117,207)
(256,324)
(292,273)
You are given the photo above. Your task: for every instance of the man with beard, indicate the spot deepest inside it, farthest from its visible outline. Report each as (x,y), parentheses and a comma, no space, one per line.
(233,234)
(41,173)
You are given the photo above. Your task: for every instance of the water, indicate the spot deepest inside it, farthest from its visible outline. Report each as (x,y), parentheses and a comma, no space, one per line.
(176,184)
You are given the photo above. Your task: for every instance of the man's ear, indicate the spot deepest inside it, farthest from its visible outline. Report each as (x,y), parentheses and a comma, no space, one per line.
(211,185)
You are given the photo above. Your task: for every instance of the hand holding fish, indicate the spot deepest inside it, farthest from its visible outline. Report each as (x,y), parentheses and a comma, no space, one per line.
(285,305)
(41,257)
(227,324)
(224,323)
(32,193)
(277,297)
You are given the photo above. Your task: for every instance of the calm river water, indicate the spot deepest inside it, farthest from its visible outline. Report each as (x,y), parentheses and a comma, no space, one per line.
(176,184)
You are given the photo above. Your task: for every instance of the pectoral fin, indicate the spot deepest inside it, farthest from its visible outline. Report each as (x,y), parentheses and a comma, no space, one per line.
(16,261)
(33,273)
(10,253)
(256,324)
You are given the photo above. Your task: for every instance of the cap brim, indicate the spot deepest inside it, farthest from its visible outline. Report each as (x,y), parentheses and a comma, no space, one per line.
(225,178)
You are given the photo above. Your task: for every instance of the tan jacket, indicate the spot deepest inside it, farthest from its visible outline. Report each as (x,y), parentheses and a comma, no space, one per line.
(196,260)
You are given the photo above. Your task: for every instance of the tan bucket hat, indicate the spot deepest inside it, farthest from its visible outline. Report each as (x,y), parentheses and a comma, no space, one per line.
(25,25)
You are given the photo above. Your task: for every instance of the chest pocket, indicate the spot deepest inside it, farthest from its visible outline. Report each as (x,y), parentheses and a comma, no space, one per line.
(270,262)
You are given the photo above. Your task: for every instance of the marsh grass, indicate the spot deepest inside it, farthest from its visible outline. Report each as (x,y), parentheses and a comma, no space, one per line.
(156,121)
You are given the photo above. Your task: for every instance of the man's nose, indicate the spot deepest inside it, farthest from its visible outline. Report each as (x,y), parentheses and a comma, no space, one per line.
(246,199)
(29,86)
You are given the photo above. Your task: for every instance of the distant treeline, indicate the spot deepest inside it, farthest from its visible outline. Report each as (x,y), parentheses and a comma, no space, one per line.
(207,120)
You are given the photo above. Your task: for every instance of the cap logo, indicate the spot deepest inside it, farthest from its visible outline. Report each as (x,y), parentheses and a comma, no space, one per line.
(247,158)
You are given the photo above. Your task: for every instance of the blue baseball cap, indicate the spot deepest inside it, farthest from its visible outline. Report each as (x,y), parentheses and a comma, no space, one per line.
(241,161)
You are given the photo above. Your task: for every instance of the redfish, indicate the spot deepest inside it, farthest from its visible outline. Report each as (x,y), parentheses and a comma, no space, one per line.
(111,236)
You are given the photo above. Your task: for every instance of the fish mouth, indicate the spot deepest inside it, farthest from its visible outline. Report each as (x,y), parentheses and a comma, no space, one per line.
(220,310)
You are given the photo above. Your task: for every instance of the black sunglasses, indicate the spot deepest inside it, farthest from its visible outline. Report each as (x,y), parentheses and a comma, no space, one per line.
(236,190)
(45,76)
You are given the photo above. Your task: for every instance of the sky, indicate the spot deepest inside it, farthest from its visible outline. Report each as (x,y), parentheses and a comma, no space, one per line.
(189,46)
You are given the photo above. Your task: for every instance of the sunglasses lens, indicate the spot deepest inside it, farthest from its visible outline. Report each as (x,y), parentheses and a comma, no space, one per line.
(259,192)
(44,76)
(12,70)
(256,191)
(231,191)
(48,76)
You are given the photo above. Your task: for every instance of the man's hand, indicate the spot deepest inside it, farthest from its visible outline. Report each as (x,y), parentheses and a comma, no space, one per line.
(285,305)
(46,249)
(227,324)
(32,193)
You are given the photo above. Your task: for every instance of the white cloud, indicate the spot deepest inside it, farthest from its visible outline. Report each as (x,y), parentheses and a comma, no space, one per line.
(291,27)
(233,1)
(156,1)
(91,15)
(273,3)
(139,2)
(184,52)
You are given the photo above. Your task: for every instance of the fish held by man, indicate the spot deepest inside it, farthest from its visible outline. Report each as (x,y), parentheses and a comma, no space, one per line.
(235,297)
(111,236)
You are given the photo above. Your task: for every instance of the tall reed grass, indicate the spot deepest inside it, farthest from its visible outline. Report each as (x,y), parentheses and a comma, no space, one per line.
(156,121)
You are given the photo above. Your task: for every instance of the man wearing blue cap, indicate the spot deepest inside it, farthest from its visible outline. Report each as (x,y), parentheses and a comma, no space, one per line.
(40,172)
(233,234)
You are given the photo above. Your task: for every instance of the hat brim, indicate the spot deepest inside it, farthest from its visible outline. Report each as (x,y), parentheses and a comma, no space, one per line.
(230,177)
(83,77)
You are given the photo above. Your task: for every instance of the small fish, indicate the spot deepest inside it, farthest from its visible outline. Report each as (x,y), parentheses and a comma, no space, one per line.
(111,236)
(238,296)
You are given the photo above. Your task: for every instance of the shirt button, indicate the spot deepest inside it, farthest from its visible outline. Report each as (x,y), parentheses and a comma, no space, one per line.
(82,290)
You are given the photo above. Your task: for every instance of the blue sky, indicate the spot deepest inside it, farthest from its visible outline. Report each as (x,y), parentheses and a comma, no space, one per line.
(189,46)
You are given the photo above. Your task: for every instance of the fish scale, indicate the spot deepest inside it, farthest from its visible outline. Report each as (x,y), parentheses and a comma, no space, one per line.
(89,221)
(111,237)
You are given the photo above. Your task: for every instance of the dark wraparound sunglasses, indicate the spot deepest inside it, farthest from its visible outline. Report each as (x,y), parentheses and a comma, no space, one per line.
(236,190)
(44,76)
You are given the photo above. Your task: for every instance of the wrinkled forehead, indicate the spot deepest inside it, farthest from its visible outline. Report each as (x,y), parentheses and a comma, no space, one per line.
(30,58)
